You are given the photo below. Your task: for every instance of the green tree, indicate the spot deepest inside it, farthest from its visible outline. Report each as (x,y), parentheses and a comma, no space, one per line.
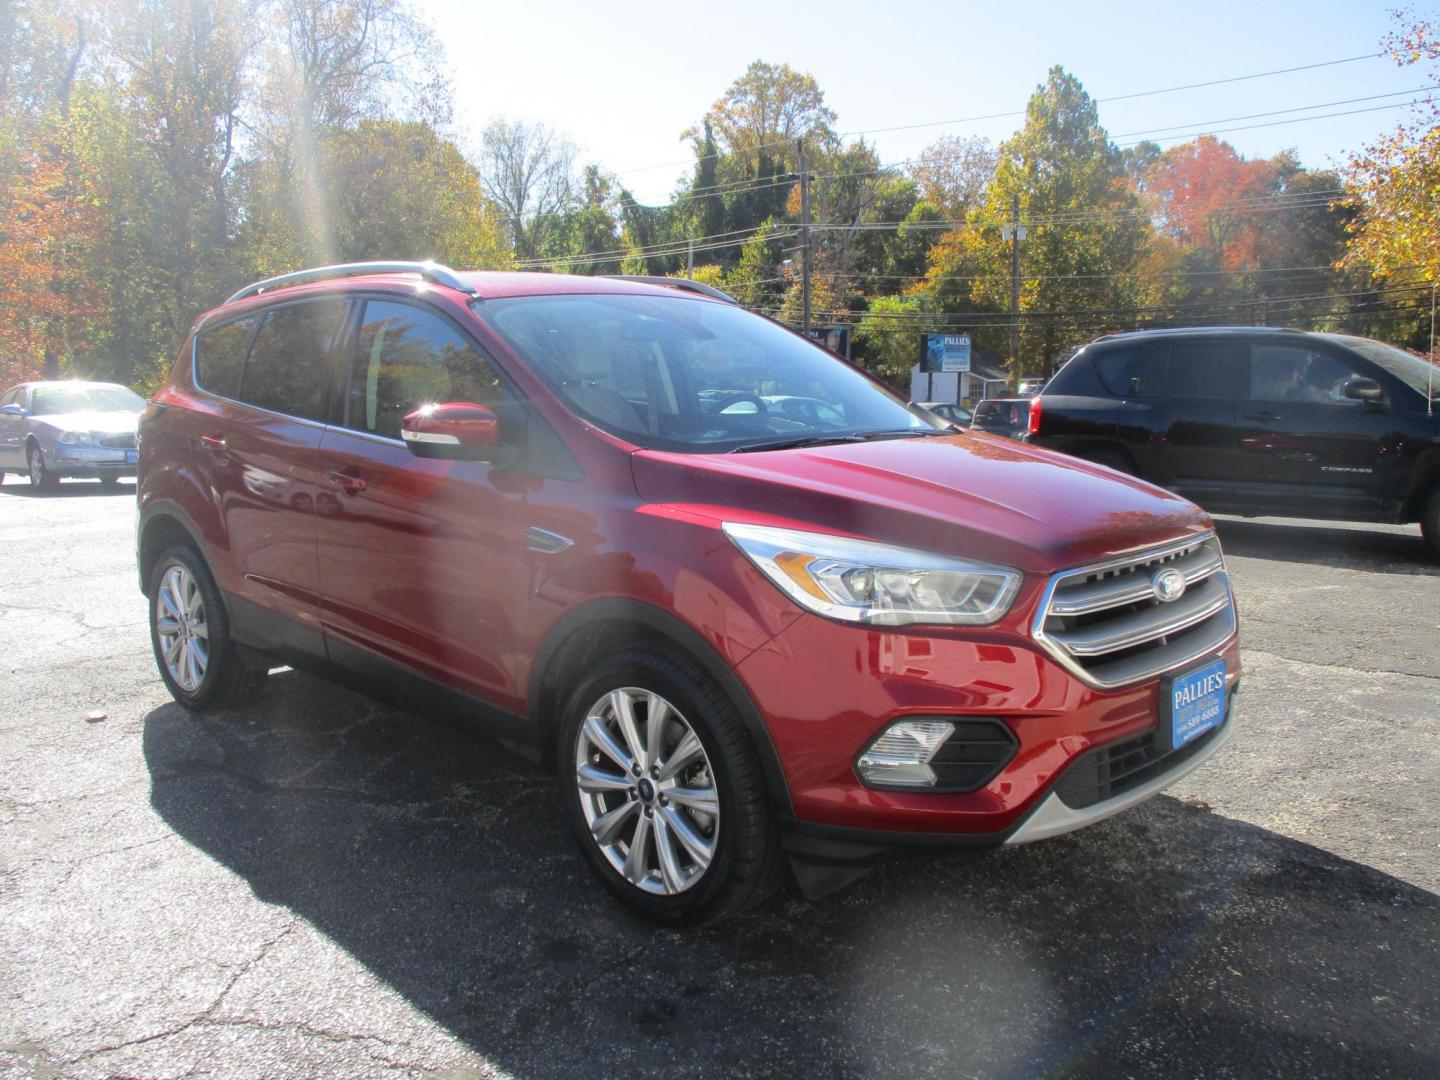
(1086,228)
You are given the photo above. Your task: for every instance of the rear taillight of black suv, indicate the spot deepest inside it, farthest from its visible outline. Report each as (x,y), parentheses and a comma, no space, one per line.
(1033,428)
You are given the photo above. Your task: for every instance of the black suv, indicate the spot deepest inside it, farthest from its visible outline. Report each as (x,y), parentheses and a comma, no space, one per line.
(1256,421)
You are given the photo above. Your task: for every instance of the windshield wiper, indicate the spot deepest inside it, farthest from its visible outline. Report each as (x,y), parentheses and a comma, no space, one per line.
(827,440)
(793,443)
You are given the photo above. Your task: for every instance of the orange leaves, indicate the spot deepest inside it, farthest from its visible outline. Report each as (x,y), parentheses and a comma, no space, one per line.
(1205,195)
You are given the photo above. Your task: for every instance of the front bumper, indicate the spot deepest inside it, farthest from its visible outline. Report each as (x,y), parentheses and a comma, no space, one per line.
(826,690)
(90,462)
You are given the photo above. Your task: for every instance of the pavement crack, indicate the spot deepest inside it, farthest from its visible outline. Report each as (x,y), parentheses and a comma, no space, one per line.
(1339,667)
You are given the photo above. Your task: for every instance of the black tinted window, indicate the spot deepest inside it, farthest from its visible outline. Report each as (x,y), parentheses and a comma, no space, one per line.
(1295,373)
(1133,371)
(289,363)
(407,357)
(1205,369)
(220,356)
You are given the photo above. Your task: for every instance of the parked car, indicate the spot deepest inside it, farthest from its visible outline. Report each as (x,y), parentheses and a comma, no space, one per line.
(1248,420)
(526,501)
(50,430)
(946,410)
(1002,416)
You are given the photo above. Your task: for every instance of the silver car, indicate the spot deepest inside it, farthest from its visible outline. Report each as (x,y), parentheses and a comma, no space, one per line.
(54,429)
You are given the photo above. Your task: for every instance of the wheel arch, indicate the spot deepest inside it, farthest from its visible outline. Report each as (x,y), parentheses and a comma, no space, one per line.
(605,625)
(1427,482)
(161,525)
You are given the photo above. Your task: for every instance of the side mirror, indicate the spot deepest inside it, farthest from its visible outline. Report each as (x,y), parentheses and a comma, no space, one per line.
(455,431)
(1363,389)
(12,410)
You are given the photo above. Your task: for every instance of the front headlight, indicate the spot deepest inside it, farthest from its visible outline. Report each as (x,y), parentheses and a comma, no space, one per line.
(867,582)
(74,438)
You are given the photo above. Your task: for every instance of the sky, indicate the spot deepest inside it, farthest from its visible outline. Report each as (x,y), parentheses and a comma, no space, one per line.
(622,80)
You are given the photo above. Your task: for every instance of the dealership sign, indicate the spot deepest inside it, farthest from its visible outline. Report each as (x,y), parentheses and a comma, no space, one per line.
(945,352)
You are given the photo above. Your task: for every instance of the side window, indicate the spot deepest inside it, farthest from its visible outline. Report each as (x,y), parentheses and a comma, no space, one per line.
(407,357)
(289,363)
(9,398)
(1133,371)
(220,356)
(1294,373)
(1204,369)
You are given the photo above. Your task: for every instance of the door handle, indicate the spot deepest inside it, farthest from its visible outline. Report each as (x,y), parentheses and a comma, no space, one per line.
(348,482)
(1262,416)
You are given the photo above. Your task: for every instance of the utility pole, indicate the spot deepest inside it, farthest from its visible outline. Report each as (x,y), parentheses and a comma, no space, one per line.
(1015,235)
(690,259)
(1430,371)
(804,240)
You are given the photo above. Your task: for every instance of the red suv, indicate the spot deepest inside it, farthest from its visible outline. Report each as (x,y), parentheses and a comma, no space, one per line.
(569,509)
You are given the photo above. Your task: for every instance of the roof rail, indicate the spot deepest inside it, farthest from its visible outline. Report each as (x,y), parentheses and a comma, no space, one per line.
(433,272)
(677,283)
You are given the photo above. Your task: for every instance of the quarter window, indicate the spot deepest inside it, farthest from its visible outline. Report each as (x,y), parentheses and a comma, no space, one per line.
(220,356)
(407,357)
(1135,371)
(289,364)
(1294,373)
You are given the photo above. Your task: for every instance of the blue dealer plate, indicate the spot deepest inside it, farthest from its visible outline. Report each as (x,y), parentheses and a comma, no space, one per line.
(1196,703)
(129,457)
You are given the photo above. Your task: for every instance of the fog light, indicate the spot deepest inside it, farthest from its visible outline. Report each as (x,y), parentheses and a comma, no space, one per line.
(901,756)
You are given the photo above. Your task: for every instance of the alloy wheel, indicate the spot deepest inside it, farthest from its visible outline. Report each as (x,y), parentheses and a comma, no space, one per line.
(182,628)
(647,791)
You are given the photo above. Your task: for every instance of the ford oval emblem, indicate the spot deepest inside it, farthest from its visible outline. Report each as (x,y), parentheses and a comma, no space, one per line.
(1169,585)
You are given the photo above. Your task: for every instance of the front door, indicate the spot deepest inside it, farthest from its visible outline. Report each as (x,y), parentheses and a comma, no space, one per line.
(1305,448)
(423,562)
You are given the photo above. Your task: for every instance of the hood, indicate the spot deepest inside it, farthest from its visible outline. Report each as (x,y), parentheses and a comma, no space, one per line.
(966,495)
(108,423)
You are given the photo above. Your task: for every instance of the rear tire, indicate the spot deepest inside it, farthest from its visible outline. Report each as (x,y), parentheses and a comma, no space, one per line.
(109,481)
(190,634)
(716,864)
(1430,522)
(1111,459)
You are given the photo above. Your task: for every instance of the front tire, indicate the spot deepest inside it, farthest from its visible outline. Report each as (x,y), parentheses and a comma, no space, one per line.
(664,791)
(1430,522)
(190,635)
(41,478)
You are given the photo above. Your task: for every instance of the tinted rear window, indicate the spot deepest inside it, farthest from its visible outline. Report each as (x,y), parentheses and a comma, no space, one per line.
(289,367)
(1133,370)
(1205,369)
(220,356)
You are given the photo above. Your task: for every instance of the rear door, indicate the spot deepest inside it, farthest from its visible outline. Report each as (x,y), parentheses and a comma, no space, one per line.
(1305,448)
(255,452)
(12,431)
(422,561)
(1178,416)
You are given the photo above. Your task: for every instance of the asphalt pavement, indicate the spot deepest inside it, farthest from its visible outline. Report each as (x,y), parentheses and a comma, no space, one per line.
(321,886)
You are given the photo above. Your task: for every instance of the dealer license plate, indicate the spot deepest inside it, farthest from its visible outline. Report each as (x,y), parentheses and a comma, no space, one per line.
(129,457)
(1196,703)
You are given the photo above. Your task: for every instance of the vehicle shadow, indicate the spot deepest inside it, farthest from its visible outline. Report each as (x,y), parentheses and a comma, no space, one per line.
(1386,549)
(1168,941)
(76,489)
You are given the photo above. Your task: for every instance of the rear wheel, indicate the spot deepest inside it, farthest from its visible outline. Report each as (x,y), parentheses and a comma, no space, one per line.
(1111,459)
(1430,521)
(664,791)
(190,634)
(109,481)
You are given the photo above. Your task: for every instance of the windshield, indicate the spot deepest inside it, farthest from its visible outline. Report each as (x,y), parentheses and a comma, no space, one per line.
(679,374)
(1414,371)
(54,400)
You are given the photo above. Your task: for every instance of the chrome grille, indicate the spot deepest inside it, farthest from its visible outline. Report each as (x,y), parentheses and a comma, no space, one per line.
(1104,623)
(119,442)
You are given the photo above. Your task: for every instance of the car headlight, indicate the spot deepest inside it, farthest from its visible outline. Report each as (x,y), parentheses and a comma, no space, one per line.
(75,438)
(867,582)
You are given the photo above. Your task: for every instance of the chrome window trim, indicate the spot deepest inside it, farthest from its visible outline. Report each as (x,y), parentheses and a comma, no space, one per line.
(1061,656)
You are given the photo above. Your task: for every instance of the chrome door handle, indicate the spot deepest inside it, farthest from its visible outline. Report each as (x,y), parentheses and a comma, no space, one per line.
(347,482)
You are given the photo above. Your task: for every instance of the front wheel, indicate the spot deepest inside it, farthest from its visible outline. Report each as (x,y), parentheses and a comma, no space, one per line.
(664,791)
(190,634)
(41,478)
(1430,522)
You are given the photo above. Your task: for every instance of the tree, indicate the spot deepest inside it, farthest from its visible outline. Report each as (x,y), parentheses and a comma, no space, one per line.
(953,173)
(401,191)
(528,171)
(1206,197)
(1394,184)
(889,336)
(765,111)
(1086,228)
